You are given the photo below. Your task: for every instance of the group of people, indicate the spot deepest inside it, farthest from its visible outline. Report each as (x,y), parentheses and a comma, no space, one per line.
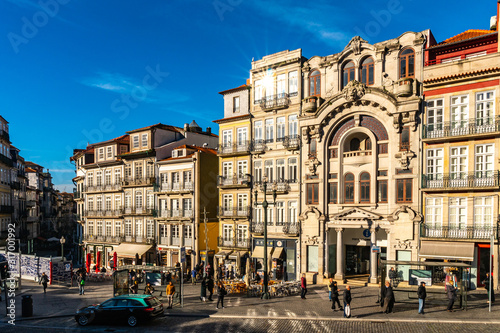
(333,295)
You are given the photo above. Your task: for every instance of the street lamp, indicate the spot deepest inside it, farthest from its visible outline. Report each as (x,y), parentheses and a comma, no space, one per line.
(265,204)
(62,240)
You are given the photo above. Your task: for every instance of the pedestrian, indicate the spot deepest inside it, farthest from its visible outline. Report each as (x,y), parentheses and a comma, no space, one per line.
(203,295)
(149,289)
(347,301)
(221,292)
(335,296)
(227,273)
(193,276)
(486,283)
(422,294)
(210,286)
(330,284)
(303,286)
(451,292)
(44,279)
(168,278)
(231,273)
(392,276)
(81,284)
(388,298)
(170,294)
(219,272)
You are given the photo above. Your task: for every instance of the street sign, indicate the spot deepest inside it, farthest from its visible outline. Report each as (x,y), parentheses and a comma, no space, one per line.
(376,249)
(366,233)
(183,254)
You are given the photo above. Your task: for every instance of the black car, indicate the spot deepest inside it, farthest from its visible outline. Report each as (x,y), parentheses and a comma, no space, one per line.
(129,308)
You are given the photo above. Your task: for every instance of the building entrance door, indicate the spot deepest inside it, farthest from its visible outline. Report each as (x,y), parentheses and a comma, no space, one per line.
(332,259)
(357,259)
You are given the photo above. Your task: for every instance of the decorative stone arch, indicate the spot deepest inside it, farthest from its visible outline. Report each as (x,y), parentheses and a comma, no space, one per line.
(414,216)
(311,210)
(366,121)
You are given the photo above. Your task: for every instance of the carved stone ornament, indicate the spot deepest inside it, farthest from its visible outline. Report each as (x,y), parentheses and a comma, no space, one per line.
(414,216)
(354,90)
(403,245)
(355,44)
(312,165)
(405,158)
(312,240)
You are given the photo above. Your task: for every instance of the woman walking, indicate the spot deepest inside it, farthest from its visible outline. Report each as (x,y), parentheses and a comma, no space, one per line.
(221,292)
(203,296)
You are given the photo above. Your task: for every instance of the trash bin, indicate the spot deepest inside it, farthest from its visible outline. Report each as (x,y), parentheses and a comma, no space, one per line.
(27,306)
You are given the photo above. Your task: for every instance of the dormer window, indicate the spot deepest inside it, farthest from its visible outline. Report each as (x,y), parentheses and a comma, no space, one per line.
(144,142)
(174,153)
(109,153)
(123,149)
(135,141)
(101,153)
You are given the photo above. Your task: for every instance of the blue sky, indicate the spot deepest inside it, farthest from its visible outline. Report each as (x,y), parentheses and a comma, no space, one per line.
(77,71)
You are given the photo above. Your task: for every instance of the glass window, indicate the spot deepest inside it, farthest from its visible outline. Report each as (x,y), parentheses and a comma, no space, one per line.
(382,191)
(434,117)
(404,143)
(293,126)
(144,140)
(242,136)
(281,85)
(332,193)
(280,170)
(315,83)
(483,211)
(367,72)
(459,114)
(364,187)
(349,188)
(135,141)
(227,138)
(269,130)
(292,170)
(280,129)
(484,160)
(404,190)
(354,144)
(407,63)
(485,108)
(236,104)
(227,232)
(458,213)
(458,163)
(347,73)
(434,164)
(312,258)
(268,170)
(109,152)
(138,199)
(293,86)
(292,212)
(258,94)
(257,171)
(258,131)
(280,213)
(312,194)
(434,212)
(312,148)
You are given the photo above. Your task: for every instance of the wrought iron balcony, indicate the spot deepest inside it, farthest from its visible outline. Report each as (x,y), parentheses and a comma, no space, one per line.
(234,181)
(291,228)
(175,214)
(281,186)
(103,187)
(239,148)
(236,243)
(273,102)
(103,239)
(77,195)
(133,210)
(474,126)
(174,187)
(292,142)
(138,181)
(258,146)
(257,227)
(461,180)
(458,232)
(239,212)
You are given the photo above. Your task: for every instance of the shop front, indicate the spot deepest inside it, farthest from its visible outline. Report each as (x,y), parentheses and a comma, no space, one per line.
(281,255)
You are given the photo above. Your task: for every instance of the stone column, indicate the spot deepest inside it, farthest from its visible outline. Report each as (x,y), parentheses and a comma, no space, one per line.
(373,257)
(339,274)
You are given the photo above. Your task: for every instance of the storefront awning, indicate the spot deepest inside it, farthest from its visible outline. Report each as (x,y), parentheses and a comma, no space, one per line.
(447,250)
(258,252)
(278,252)
(222,254)
(128,250)
(237,254)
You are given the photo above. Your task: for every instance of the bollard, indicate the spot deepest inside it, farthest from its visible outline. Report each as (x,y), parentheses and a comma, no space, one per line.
(27,306)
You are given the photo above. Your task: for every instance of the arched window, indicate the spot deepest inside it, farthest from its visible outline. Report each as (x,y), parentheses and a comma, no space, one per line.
(368,144)
(367,74)
(354,144)
(364,187)
(347,73)
(407,63)
(349,188)
(314,83)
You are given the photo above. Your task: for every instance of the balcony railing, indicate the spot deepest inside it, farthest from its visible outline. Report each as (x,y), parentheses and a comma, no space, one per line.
(459,58)
(138,181)
(257,227)
(77,195)
(460,180)
(273,101)
(174,187)
(258,146)
(462,127)
(281,186)
(138,210)
(239,243)
(291,228)
(234,181)
(137,239)
(234,148)
(234,211)
(103,187)
(176,213)
(292,142)
(103,239)
(459,232)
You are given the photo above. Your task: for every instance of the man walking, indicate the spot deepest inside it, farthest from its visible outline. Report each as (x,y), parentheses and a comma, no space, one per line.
(388,297)
(170,294)
(422,294)
(193,276)
(210,287)
(486,283)
(81,284)
(303,286)
(221,292)
(44,279)
(335,296)
(451,292)
(347,301)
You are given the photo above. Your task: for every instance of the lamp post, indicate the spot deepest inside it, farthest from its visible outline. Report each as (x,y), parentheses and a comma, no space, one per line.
(62,240)
(265,204)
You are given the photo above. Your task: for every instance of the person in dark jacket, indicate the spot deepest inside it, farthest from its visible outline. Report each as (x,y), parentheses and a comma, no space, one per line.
(422,294)
(388,297)
(210,287)
(303,286)
(221,292)
(335,295)
(451,292)
(203,295)
(347,301)
(486,283)
(392,276)
(44,279)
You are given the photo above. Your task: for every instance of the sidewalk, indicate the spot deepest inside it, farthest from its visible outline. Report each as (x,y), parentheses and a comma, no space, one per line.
(64,301)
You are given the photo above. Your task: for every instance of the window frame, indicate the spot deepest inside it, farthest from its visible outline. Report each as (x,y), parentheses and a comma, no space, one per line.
(314,83)
(367,71)
(349,184)
(405,182)
(348,73)
(364,187)
(312,191)
(408,60)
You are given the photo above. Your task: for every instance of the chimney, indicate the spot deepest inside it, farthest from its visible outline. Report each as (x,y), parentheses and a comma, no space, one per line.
(186,127)
(209,130)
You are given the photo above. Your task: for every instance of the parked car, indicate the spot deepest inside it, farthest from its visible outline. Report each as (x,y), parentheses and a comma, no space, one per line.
(131,309)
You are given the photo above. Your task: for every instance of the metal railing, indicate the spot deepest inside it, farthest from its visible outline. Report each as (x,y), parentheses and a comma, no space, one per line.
(240,243)
(461,127)
(175,213)
(291,142)
(138,210)
(77,195)
(103,187)
(257,227)
(273,101)
(474,179)
(174,187)
(258,145)
(291,228)
(459,232)
(282,185)
(138,181)
(234,180)
(234,211)
(234,148)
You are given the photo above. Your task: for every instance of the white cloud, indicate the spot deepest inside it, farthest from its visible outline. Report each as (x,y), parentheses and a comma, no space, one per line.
(61,170)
